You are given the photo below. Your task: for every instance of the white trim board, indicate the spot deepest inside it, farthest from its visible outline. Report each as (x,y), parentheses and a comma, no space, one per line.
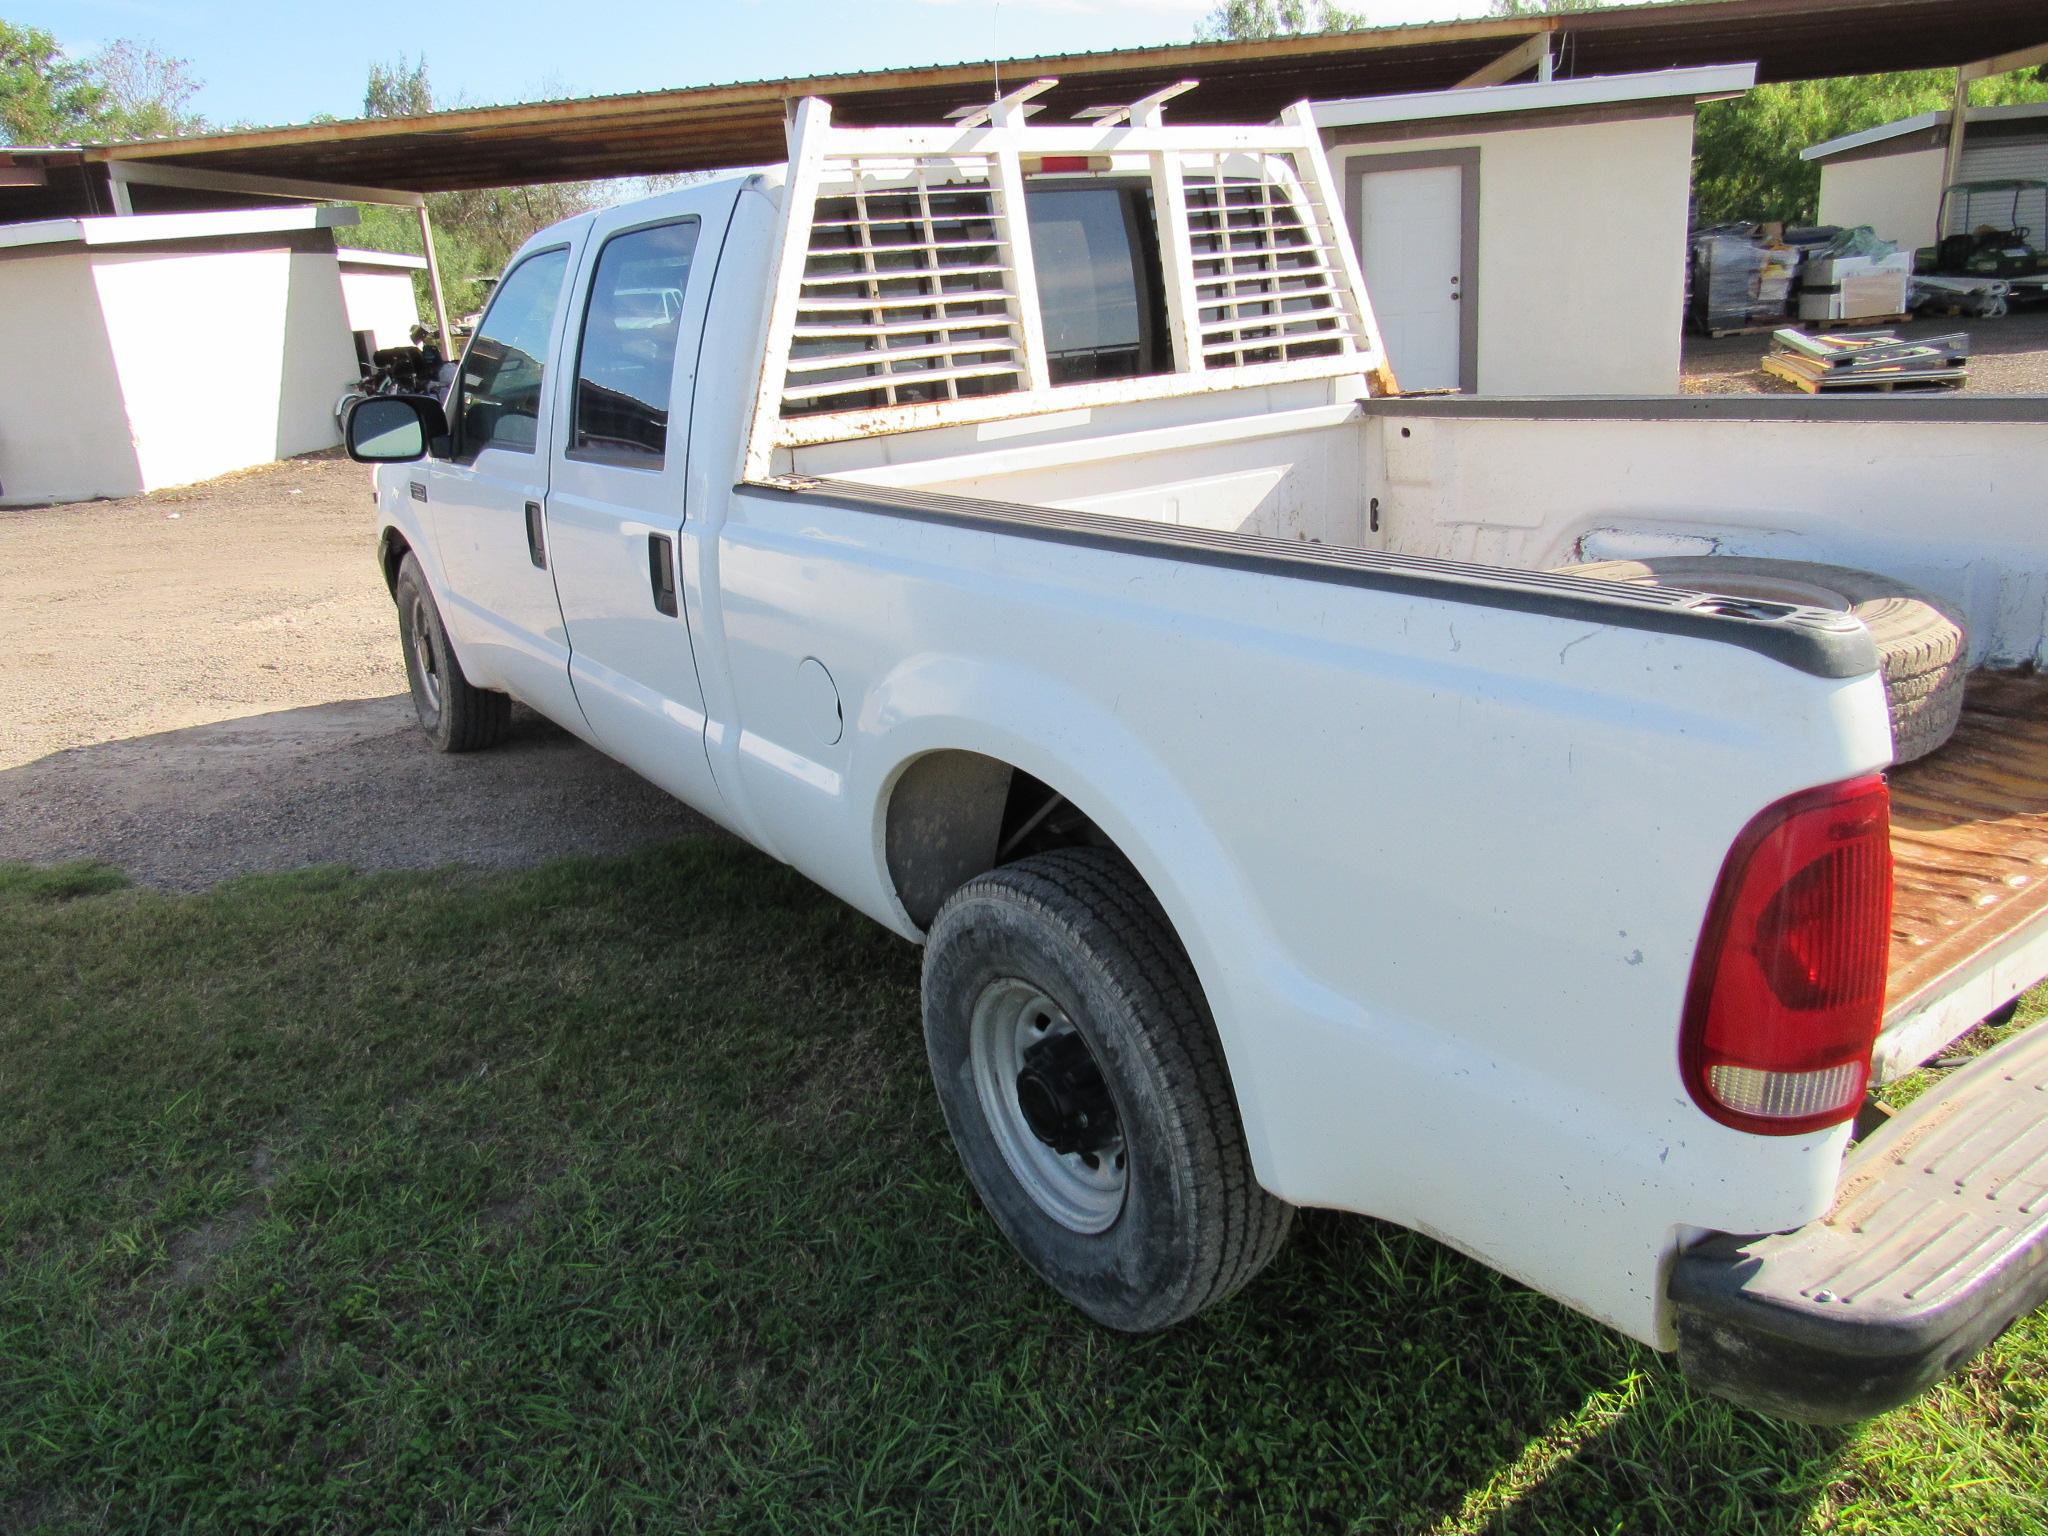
(134,228)
(1703,84)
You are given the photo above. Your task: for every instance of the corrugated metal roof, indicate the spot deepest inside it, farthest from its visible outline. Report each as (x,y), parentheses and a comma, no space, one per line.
(717,126)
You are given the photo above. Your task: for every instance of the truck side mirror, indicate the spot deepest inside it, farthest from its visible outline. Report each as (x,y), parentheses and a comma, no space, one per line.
(393,429)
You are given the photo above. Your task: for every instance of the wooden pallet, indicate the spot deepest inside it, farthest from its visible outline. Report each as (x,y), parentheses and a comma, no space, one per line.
(1837,380)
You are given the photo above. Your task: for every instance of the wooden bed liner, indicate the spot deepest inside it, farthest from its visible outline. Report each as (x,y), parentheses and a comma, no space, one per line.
(1970,840)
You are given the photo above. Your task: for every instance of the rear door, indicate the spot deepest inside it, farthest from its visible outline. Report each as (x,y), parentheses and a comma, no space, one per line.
(488,498)
(617,500)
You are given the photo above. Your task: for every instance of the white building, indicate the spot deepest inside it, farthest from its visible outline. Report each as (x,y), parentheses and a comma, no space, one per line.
(1891,177)
(1527,239)
(156,349)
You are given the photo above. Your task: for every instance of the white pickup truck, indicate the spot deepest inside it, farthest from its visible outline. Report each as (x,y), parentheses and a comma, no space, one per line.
(1014,527)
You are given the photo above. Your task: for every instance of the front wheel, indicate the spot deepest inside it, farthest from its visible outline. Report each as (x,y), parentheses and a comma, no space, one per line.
(1084,1085)
(456,715)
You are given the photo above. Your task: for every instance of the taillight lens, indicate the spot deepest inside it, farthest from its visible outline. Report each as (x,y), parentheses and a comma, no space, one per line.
(1788,985)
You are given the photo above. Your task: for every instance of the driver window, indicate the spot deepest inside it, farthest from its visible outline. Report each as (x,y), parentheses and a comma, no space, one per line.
(506,364)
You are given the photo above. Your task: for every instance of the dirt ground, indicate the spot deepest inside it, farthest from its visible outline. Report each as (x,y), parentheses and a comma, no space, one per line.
(2009,356)
(206,682)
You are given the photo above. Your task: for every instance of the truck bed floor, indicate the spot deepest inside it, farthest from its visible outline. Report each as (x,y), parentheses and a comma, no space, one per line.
(1970,838)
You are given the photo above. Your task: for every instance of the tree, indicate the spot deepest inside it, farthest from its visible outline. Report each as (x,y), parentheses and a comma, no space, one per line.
(146,92)
(1273,18)
(1746,151)
(128,90)
(398,90)
(45,97)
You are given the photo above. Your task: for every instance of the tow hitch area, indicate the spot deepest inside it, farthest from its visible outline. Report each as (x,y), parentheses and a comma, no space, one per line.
(1938,1239)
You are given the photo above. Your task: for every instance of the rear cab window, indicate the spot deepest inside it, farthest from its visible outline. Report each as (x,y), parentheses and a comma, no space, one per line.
(625,360)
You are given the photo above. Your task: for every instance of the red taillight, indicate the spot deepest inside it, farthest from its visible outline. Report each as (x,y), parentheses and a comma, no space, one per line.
(1788,986)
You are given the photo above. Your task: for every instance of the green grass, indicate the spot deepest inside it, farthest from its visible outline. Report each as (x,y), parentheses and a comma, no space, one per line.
(612,1197)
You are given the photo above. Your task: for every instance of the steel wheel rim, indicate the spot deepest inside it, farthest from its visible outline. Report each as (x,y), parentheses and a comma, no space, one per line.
(1082,1191)
(424,669)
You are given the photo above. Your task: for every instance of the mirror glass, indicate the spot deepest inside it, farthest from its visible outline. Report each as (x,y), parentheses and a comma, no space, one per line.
(386,429)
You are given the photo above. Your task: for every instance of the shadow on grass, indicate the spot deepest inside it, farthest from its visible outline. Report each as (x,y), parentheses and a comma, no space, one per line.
(612,1196)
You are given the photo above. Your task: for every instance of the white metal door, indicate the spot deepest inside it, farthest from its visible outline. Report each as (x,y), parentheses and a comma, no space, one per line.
(487,501)
(1410,229)
(616,502)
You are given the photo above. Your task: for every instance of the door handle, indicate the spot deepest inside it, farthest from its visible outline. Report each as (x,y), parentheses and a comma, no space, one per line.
(536,537)
(661,572)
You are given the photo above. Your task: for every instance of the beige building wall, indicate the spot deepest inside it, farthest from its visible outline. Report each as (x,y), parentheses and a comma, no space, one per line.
(1896,195)
(1581,250)
(226,358)
(379,300)
(63,428)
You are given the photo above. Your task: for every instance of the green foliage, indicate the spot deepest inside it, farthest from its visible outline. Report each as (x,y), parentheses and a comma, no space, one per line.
(1274,18)
(128,90)
(613,1197)
(1746,151)
(45,97)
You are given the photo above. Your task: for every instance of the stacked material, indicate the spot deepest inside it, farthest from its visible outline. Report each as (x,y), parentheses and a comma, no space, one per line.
(1740,282)
(1854,276)
(1986,296)
(1868,360)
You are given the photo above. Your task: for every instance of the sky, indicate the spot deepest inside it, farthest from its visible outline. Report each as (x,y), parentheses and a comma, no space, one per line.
(283,61)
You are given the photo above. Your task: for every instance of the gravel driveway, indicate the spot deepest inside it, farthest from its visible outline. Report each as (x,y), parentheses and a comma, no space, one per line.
(206,682)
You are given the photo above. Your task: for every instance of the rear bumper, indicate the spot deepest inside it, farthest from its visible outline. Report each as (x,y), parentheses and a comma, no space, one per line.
(1937,1240)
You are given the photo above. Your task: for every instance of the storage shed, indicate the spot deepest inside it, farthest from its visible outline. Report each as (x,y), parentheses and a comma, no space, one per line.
(1527,239)
(1891,177)
(157,349)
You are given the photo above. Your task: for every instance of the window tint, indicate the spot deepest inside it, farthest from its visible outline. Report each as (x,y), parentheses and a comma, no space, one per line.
(506,364)
(626,365)
(1095,249)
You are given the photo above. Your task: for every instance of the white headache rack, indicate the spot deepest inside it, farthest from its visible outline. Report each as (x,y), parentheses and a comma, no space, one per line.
(907,290)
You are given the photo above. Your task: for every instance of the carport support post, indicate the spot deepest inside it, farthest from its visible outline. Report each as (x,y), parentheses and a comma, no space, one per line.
(434,282)
(1952,163)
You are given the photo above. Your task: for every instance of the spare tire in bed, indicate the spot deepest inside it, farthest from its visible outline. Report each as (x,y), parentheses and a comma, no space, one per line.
(1923,651)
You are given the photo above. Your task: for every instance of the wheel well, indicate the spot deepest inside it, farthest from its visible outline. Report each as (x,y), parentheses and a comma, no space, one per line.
(391,551)
(954,815)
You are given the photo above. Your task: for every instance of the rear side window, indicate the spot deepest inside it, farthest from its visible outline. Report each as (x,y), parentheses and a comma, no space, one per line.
(506,364)
(625,367)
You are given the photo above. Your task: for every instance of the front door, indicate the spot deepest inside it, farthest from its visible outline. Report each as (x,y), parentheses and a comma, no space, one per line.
(617,498)
(486,501)
(1409,225)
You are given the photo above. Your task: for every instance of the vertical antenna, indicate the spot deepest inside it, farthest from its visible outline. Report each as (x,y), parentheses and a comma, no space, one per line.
(995,47)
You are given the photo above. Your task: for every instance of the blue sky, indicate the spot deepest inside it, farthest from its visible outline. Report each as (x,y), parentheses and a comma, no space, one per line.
(282,61)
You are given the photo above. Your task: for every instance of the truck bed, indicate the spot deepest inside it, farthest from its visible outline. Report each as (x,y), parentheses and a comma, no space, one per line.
(1970,846)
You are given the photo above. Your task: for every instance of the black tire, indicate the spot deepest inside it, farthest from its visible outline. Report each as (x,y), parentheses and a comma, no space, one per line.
(1923,650)
(456,715)
(1191,1225)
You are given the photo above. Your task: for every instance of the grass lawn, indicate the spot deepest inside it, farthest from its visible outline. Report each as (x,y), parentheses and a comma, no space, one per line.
(612,1196)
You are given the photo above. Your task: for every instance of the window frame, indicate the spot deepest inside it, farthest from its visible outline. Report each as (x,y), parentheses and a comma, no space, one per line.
(460,452)
(606,457)
(1156,337)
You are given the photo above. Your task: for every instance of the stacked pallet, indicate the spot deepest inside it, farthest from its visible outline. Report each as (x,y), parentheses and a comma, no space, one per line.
(1868,360)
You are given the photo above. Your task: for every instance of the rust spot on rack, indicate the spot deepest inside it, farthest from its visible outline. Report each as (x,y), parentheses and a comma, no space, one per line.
(1970,836)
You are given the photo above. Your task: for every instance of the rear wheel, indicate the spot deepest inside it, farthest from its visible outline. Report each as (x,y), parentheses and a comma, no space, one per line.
(456,715)
(1086,1091)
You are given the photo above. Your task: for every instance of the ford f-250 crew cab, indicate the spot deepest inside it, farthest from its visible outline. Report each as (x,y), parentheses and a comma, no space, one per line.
(1014,527)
